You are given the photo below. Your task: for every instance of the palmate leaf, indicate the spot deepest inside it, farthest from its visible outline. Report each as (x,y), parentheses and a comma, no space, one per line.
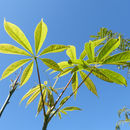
(27,74)
(118,58)
(111,45)
(88,82)
(51,64)
(54,48)
(71,52)
(71,108)
(16,33)
(10,49)
(75,82)
(40,35)
(13,67)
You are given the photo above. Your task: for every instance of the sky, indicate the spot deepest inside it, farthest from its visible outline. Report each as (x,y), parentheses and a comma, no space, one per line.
(69,22)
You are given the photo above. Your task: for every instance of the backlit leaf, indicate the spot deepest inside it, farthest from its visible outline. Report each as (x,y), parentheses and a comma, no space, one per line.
(71,108)
(71,52)
(59,114)
(115,77)
(75,82)
(40,101)
(16,33)
(64,100)
(115,59)
(88,82)
(33,97)
(99,74)
(83,54)
(110,46)
(13,67)
(26,74)
(10,49)
(51,64)
(40,35)
(54,48)
(30,92)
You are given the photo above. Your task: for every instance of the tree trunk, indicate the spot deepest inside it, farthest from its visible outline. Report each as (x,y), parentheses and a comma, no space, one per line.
(45,124)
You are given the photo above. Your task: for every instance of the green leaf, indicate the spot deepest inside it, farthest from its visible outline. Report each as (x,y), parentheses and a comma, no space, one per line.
(65,72)
(115,77)
(83,54)
(98,42)
(59,114)
(75,82)
(10,49)
(40,101)
(71,52)
(54,48)
(40,35)
(115,59)
(71,108)
(13,67)
(78,61)
(33,97)
(64,100)
(16,33)
(110,46)
(27,73)
(51,64)
(64,112)
(30,92)
(89,48)
(88,82)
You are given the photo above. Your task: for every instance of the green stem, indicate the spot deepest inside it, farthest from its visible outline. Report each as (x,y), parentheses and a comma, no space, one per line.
(38,74)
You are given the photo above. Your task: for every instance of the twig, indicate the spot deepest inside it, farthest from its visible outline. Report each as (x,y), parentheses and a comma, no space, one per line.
(70,95)
(13,88)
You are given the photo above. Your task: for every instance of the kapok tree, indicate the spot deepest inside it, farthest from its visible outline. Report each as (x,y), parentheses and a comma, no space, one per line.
(90,61)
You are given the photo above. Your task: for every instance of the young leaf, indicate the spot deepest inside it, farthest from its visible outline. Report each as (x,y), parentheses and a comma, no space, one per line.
(115,59)
(89,48)
(83,54)
(59,114)
(75,82)
(65,72)
(33,97)
(54,48)
(64,100)
(16,33)
(30,92)
(51,64)
(10,49)
(115,77)
(71,108)
(40,101)
(88,82)
(40,35)
(27,73)
(98,42)
(111,45)
(64,112)
(13,67)
(71,52)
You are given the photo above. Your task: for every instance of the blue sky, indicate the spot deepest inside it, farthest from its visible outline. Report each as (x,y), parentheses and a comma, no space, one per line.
(69,22)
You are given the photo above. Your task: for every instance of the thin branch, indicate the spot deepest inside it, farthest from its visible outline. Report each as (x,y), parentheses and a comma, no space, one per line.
(71,95)
(43,105)
(61,94)
(13,88)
